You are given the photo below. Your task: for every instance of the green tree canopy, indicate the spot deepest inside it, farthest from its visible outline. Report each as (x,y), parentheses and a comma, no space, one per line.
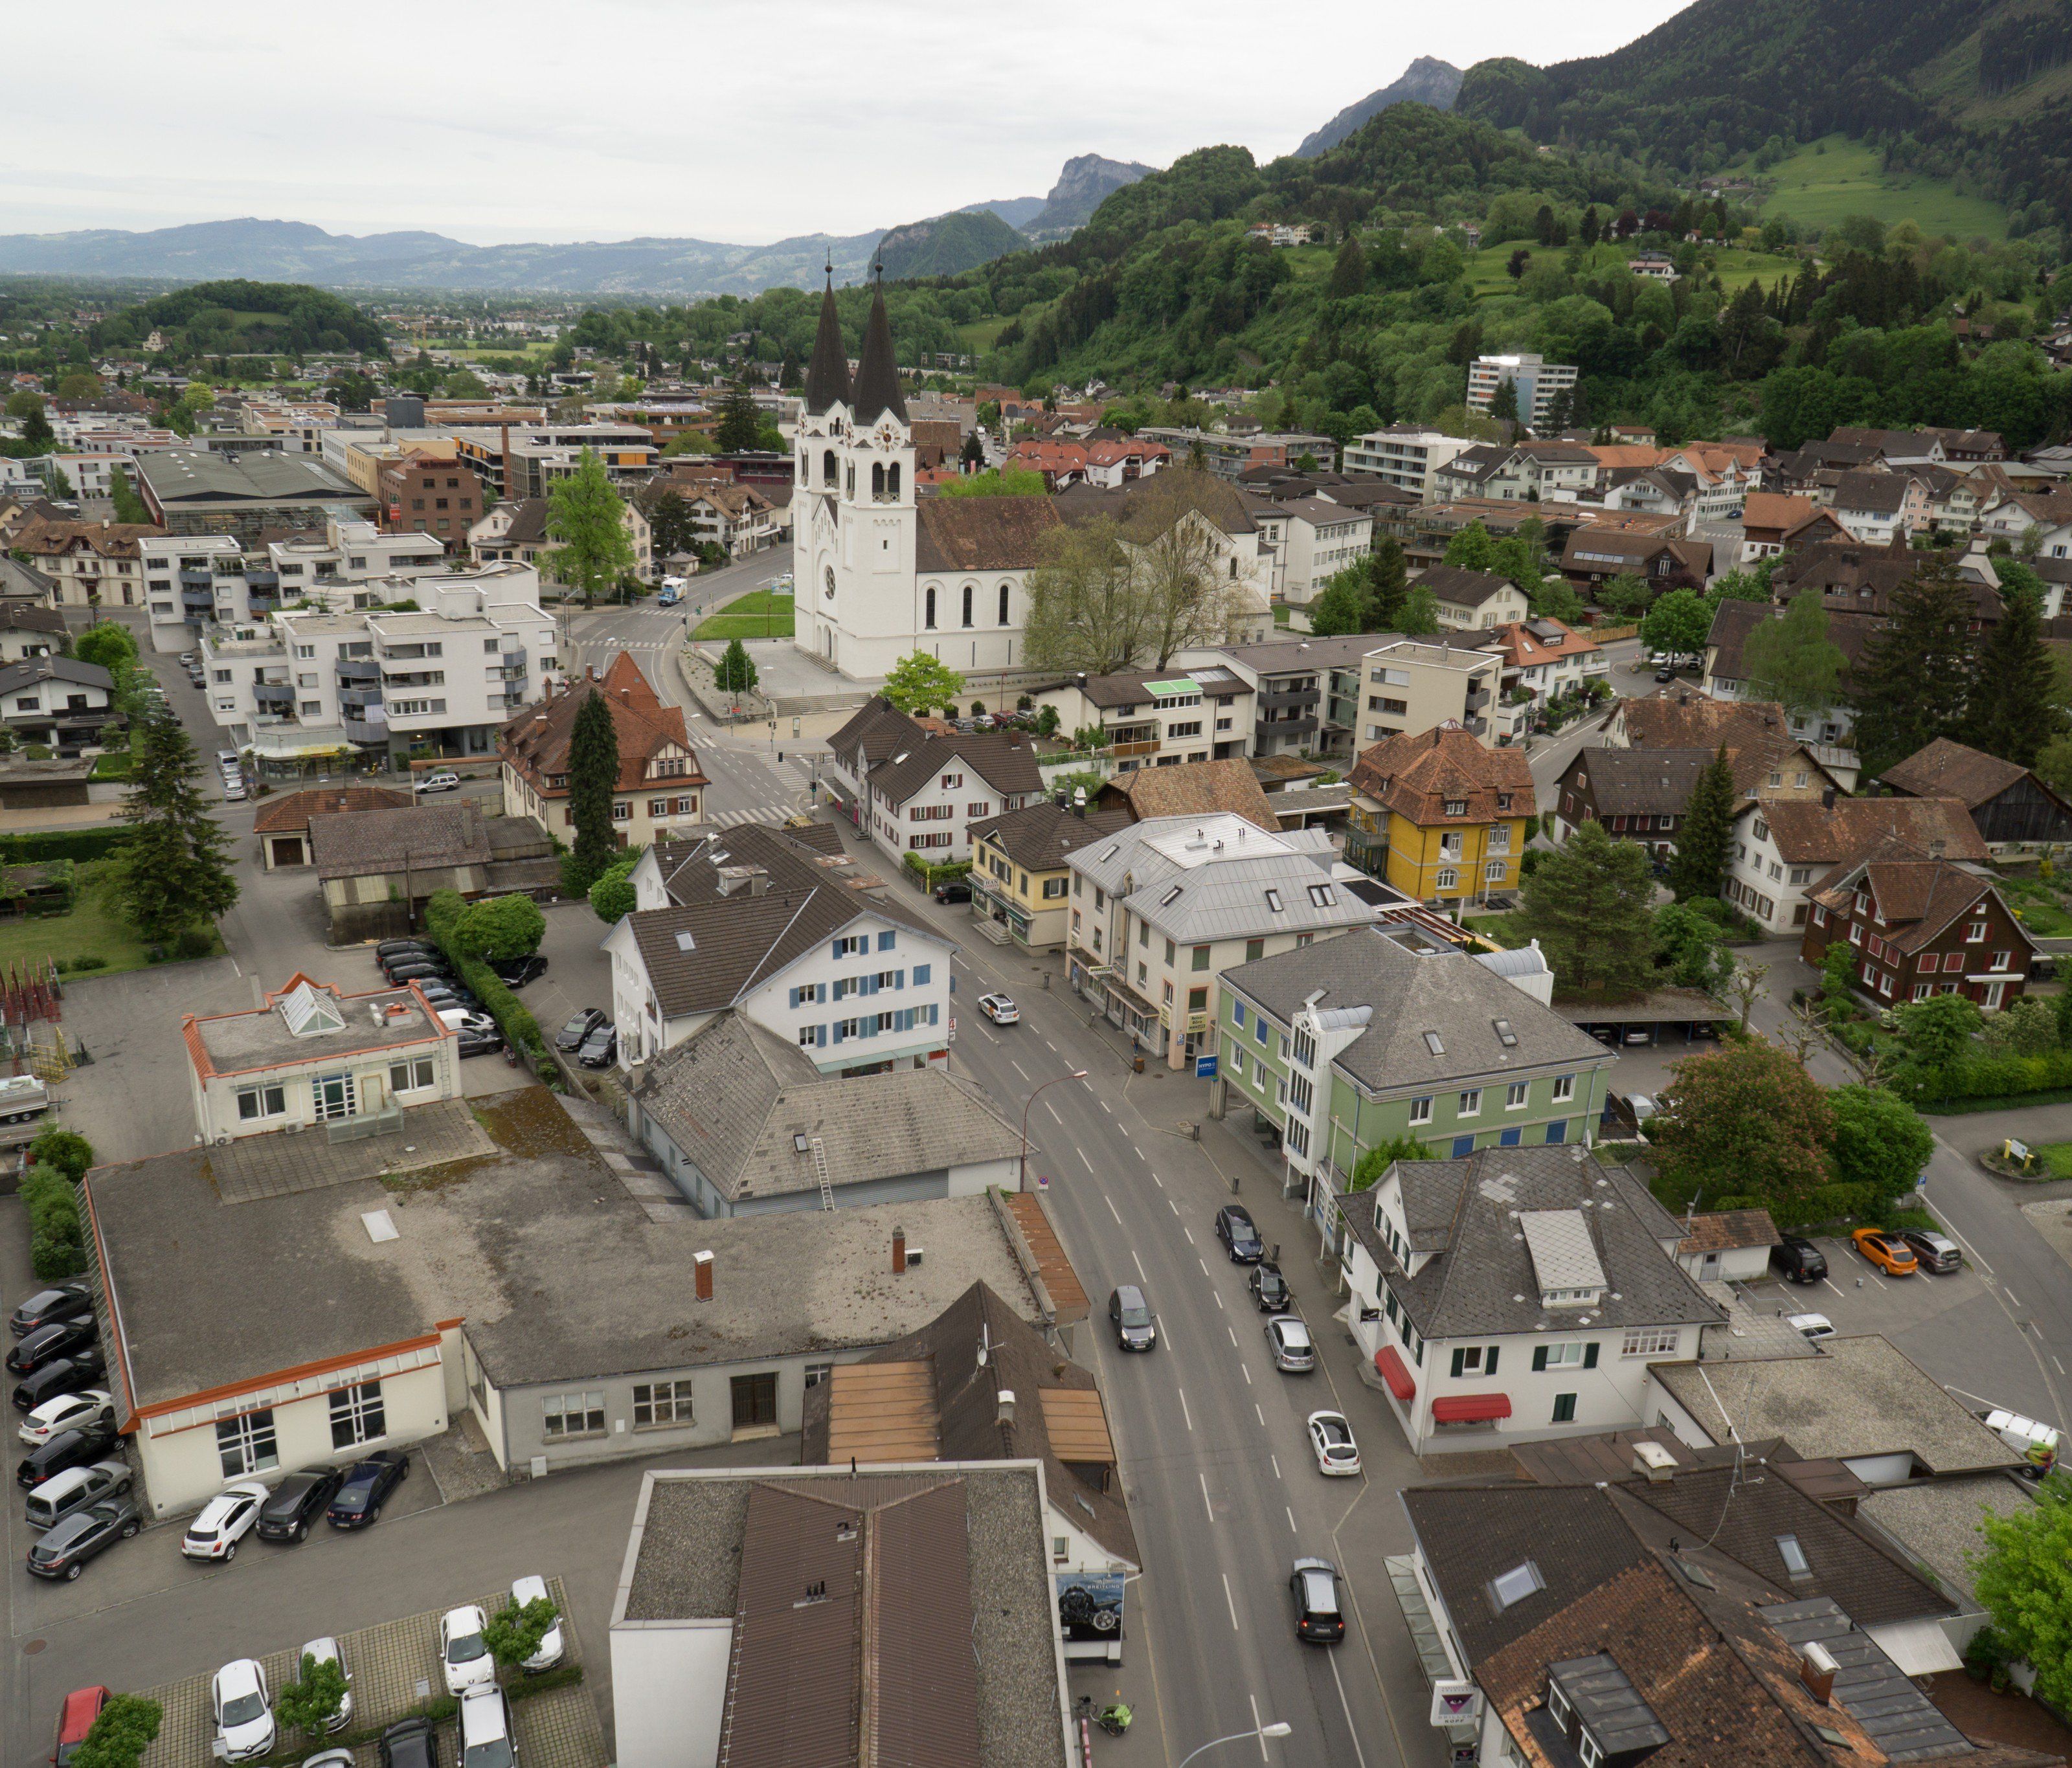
(593,779)
(740,427)
(1676,626)
(175,870)
(1746,1120)
(311,1701)
(1378,1159)
(735,672)
(1791,659)
(500,927)
(1420,618)
(1347,606)
(1472,549)
(1626,595)
(2024,1582)
(2013,712)
(611,897)
(1590,904)
(1938,1031)
(121,1734)
(919,681)
(997,482)
(1880,1141)
(1914,679)
(1689,944)
(1706,834)
(515,1633)
(588,518)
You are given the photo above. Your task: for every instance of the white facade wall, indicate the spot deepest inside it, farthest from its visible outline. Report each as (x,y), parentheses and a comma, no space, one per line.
(182,1463)
(219,1115)
(668,1691)
(936,822)
(1313,551)
(1756,863)
(1405,459)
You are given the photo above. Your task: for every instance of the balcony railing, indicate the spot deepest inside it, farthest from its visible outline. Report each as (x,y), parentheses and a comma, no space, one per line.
(194,580)
(1123,749)
(1268,728)
(359,669)
(1288,696)
(274,693)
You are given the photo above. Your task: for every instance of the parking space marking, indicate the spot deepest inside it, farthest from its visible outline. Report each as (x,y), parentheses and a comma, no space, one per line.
(1113,1210)
(1830,1284)
(1232,1600)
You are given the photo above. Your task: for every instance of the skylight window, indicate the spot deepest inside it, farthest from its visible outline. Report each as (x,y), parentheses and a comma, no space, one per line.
(685,943)
(310,1013)
(1698,1575)
(1273,900)
(1795,1561)
(1504,1034)
(1509,1589)
(1170,897)
(1321,896)
(1432,1043)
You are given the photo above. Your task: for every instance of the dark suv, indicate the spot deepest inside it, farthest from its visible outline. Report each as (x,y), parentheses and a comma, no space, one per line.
(1269,1289)
(67,1449)
(297,1502)
(69,1375)
(48,1307)
(1320,1614)
(1798,1259)
(50,1344)
(410,1743)
(1135,1326)
(1234,1228)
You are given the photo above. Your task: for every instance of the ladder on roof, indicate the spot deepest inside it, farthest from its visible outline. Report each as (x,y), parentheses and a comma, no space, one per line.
(820,1171)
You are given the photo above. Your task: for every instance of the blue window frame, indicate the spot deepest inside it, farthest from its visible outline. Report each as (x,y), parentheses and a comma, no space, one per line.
(1558,1131)
(1259,1030)
(1463,1146)
(1237,1012)
(1511,1138)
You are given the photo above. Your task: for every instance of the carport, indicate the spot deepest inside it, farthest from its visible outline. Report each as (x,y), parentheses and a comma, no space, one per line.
(1685,1016)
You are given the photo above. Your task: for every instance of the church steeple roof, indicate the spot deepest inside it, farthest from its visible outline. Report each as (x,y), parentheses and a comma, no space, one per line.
(877,374)
(827,374)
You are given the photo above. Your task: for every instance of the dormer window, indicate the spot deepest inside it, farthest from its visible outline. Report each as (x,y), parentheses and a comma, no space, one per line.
(1457,807)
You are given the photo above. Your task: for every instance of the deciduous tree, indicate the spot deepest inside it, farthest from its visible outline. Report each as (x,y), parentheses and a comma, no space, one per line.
(500,927)
(2025,1581)
(1880,1141)
(919,681)
(588,518)
(1676,626)
(1084,610)
(612,897)
(1472,549)
(1688,944)
(1420,618)
(311,1701)
(1745,1121)
(515,1633)
(1589,904)
(121,1732)
(1791,659)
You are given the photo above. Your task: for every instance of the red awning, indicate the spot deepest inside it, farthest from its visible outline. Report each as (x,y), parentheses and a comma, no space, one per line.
(1471,1409)
(1392,1370)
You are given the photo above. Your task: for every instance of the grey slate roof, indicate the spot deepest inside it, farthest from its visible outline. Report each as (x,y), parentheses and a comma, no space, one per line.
(733,1097)
(879,728)
(1481,1280)
(827,374)
(32,670)
(1198,878)
(357,843)
(1462,588)
(876,387)
(1643,782)
(1006,762)
(1039,836)
(1451,994)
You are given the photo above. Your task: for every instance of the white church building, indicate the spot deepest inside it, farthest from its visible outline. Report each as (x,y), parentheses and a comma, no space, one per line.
(882,574)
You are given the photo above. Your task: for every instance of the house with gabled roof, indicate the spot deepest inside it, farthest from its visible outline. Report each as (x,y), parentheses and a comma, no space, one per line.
(1783,848)
(1514,1294)
(1477,600)
(1452,814)
(1918,926)
(923,798)
(2013,810)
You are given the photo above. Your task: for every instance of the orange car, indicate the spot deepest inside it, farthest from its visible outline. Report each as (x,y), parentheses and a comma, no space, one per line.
(1888,1251)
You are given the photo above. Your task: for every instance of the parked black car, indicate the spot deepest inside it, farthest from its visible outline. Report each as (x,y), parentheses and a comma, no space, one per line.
(297,1502)
(515,973)
(956,890)
(416,970)
(410,1743)
(47,1344)
(1269,1289)
(66,1548)
(444,993)
(359,1498)
(1234,1228)
(1798,1259)
(569,1038)
(600,1049)
(1136,1326)
(388,951)
(69,1375)
(46,1307)
(480,1043)
(67,1449)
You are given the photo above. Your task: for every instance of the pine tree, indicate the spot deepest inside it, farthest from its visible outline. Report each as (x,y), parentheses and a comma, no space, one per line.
(1590,904)
(175,870)
(735,671)
(593,779)
(740,425)
(1704,835)
(1915,678)
(2012,713)
(1389,578)
(1348,273)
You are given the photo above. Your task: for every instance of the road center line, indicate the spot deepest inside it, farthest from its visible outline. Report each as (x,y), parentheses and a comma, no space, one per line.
(1232,1330)
(2013,1299)
(1257,1726)
(1276,1460)
(1060,1121)
(1187,1230)
(1139,1263)
(1205,1504)
(1345,1706)
(1089,1166)
(1217,1293)
(1017,1067)
(1204,1265)
(1292,1528)
(1232,1602)
(1184,1412)
(1247,1373)
(1172,1206)
(1107,1108)
(1117,1215)
(1260,1412)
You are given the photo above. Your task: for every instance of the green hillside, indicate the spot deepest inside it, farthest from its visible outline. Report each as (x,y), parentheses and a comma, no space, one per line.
(215,318)
(946,245)
(1834,177)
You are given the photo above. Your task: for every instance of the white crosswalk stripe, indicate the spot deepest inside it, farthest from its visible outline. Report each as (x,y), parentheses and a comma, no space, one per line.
(763,813)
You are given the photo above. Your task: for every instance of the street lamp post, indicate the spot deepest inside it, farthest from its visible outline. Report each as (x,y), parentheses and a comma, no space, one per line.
(1278,1727)
(1077,1074)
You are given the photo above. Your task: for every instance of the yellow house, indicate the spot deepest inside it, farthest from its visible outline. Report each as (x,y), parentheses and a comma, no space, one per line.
(1440,817)
(1019,876)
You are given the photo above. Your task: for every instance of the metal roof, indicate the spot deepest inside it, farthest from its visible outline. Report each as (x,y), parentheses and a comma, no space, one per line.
(1563,1255)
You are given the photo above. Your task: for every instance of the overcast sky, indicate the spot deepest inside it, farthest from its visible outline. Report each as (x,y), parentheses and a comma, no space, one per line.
(605,119)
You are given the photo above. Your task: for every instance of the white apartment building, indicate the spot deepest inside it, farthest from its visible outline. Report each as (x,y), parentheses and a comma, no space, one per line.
(1536,380)
(305,682)
(1414,686)
(90,473)
(1316,539)
(1403,456)
(194,582)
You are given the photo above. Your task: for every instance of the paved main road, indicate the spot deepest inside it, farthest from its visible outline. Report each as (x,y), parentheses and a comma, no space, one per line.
(1223,1491)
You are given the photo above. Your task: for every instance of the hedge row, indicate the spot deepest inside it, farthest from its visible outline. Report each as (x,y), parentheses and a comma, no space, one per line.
(57,1242)
(63,843)
(519,1028)
(1996,1077)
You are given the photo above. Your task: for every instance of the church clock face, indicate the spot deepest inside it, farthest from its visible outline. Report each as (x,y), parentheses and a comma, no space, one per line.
(884,435)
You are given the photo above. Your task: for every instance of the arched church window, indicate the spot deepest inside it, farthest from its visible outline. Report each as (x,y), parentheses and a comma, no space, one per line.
(1003,604)
(892,481)
(928,615)
(877,480)
(827,476)
(970,590)
(852,480)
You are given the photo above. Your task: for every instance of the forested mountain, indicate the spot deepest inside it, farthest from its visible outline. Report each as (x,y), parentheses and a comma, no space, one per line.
(947,244)
(235,318)
(1969,87)
(1424,81)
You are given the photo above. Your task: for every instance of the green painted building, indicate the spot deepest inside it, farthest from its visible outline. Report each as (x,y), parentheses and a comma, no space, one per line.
(1389,1032)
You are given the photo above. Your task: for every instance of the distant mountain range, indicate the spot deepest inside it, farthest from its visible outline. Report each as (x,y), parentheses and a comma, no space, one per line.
(1424,82)
(297,251)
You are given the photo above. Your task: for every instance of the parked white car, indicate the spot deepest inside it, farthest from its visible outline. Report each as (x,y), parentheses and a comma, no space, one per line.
(527,1590)
(445,781)
(463,1653)
(224,1521)
(68,1412)
(486,1739)
(1331,1437)
(325,1650)
(243,1716)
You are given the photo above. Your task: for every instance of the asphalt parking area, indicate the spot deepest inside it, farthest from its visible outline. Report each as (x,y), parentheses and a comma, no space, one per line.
(1858,1297)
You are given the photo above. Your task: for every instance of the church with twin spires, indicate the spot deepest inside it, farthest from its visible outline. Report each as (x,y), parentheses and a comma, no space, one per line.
(879,573)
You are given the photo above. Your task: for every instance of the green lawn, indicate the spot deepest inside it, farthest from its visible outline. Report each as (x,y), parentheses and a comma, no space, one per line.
(978,338)
(2039,908)
(92,929)
(761,614)
(1834,176)
(1487,274)
(2057,1156)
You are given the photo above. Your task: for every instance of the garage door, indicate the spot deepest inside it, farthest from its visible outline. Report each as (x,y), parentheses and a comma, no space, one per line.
(287,850)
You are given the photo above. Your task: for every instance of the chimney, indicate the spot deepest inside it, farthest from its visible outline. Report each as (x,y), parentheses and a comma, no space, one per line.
(898,1251)
(1654,1463)
(701,1263)
(1816,1669)
(1826,798)
(1006,1401)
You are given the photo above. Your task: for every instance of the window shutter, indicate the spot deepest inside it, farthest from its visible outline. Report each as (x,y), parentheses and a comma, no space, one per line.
(921,973)
(898,979)
(820,1036)
(1590,1355)
(1459,1357)
(1489,1362)
(838,1031)
(884,941)
(1539,1359)
(834,950)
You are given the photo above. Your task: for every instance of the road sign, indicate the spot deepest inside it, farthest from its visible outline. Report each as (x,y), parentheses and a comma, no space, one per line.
(1205,1067)
(953,1028)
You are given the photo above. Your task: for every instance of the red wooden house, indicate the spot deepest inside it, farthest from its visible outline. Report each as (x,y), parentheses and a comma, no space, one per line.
(1920,926)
